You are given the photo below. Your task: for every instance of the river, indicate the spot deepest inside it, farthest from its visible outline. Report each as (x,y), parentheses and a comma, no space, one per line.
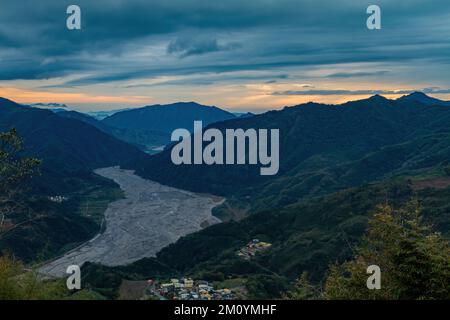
(150,217)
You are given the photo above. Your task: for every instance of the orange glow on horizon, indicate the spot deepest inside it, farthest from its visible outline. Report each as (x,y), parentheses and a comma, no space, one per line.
(29,96)
(250,98)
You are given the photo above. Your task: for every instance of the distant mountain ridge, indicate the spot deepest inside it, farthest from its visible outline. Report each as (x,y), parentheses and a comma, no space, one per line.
(166,118)
(50,106)
(143,139)
(424,99)
(148,128)
(63,144)
(100,115)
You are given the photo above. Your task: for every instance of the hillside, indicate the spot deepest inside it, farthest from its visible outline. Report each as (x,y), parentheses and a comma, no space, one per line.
(69,150)
(143,139)
(337,164)
(149,128)
(323,148)
(424,99)
(306,236)
(64,144)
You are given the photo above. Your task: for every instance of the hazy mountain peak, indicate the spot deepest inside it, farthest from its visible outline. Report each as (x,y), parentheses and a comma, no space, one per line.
(378,97)
(415,95)
(52,105)
(422,98)
(166,118)
(181,104)
(102,114)
(418,94)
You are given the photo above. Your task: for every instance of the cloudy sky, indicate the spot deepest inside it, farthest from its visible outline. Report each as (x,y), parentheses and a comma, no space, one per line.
(237,54)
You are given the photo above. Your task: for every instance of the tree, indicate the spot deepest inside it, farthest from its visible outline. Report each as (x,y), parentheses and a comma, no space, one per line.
(16,282)
(303,290)
(8,270)
(414,260)
(13,170)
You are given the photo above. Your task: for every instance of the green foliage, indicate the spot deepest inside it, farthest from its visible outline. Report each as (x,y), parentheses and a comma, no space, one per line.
(13,170)
(264,286)
(69,149)
(141,138)
(302,290)
(38,228)
(107,280)
(8,270)
(447,170)
(55,228)
(18,284)
(414,260)
(306,236)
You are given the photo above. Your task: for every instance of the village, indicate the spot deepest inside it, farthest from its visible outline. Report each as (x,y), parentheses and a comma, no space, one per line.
(187,289)
(57,199)
(252,248)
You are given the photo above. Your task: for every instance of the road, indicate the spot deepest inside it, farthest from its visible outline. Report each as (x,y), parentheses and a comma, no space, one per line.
(150,217)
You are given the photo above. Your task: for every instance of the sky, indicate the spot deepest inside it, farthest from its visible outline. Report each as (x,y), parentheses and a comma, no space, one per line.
(235,54)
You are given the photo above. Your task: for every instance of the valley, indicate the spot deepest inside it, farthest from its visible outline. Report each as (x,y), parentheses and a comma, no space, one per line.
(333,175)
(149,218)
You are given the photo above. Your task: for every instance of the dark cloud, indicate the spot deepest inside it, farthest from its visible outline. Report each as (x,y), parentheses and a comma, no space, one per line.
(185,47)
(212,79)
(345,92)
(356,74)
(435,90)
(217,36)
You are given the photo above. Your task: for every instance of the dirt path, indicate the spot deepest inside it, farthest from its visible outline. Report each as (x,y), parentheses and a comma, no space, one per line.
(150,217)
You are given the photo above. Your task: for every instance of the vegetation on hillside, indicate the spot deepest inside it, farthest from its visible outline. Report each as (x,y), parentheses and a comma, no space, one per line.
(32,227)
(13,170)
(414,261)
(17,283)
(306,238)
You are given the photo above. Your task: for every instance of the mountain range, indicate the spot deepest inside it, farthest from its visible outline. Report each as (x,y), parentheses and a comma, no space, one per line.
(337,163)
(323,148)
(424,99)
(150,127)
(141,138)
(166,118)
(64,144)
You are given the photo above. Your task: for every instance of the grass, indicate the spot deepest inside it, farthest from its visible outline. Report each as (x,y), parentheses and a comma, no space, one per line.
(230,283)
(231,209)
(95,201)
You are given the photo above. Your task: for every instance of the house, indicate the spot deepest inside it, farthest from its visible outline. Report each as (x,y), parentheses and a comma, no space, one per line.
(188,283)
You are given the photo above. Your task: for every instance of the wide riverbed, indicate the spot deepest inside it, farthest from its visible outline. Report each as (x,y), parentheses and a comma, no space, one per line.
(150,217)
